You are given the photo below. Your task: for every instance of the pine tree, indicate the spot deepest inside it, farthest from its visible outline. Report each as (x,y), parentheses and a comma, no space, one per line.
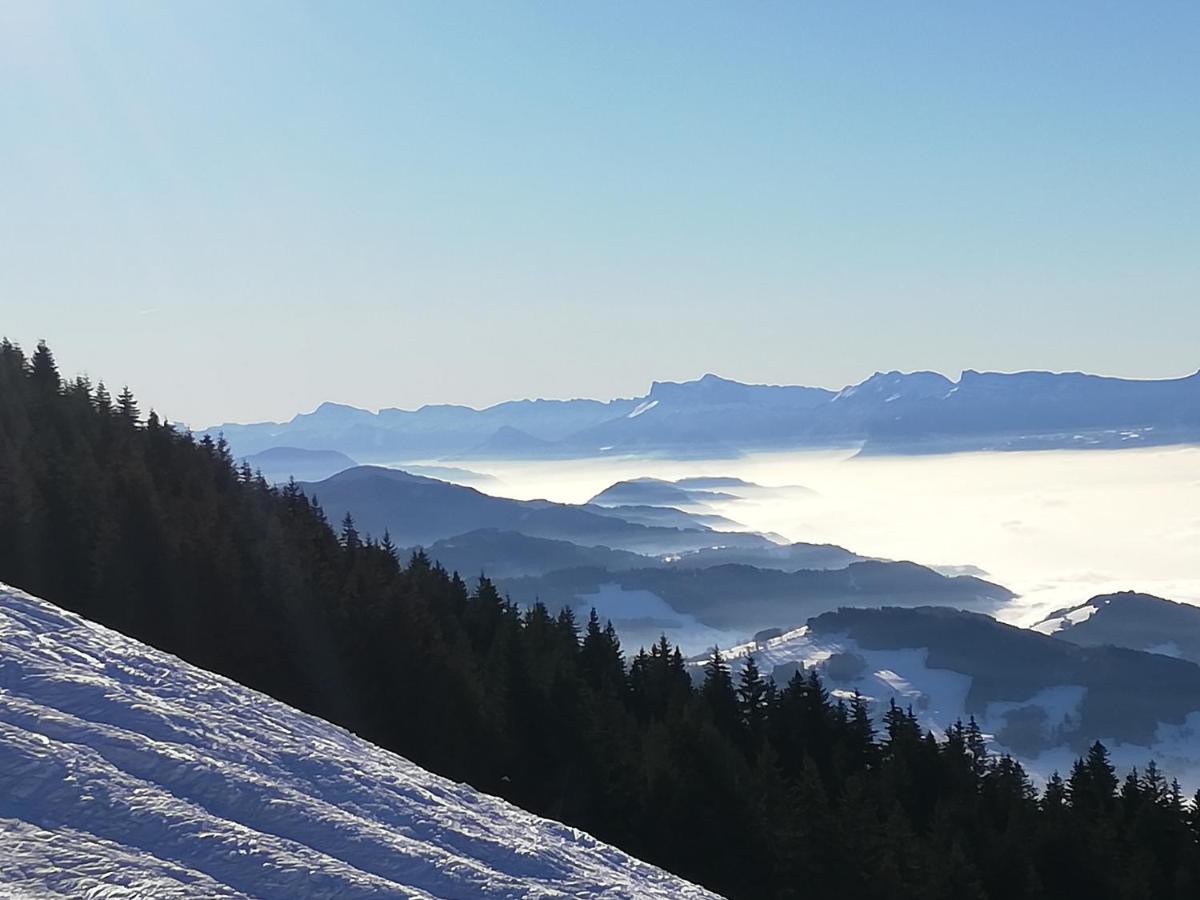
(1154,785)
(43,370)
(976,747)
(350,539)
(718,693)
(103,401)
(600,655)
(860,735)
(1054,798)
(1093,782)
(386,545)
(752,705)
(127,408)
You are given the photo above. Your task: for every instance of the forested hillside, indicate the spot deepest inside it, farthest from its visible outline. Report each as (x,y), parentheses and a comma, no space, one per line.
(749,789)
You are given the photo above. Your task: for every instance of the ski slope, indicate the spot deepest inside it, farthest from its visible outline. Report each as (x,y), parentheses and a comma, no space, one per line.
(125,772)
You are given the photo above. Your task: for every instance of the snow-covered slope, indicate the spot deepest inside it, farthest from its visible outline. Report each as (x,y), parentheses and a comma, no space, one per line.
(1129,619)
(1042,700)
(125,772)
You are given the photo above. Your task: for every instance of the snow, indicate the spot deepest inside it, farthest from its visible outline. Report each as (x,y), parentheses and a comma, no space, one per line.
(938,697)
(644,406)
(1071,617)
(125,772)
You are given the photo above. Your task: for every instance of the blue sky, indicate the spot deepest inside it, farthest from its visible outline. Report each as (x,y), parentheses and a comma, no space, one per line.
(243,209)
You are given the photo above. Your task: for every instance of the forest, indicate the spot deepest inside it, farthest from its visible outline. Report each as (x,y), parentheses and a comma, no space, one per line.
(750,788)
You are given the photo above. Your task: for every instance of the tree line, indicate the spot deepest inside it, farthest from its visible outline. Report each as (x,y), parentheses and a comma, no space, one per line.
(750,788)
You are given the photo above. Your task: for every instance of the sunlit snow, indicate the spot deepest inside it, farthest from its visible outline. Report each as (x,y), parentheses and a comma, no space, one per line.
(125,772)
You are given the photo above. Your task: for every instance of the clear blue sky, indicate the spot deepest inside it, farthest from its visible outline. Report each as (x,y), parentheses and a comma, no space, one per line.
(244,208)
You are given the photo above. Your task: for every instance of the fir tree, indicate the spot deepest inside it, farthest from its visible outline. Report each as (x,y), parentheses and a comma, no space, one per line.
(752,705)
(127,408)
(43,370)
(719,695)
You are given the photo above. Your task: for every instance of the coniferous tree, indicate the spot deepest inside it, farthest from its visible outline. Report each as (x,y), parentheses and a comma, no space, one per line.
(349,537)
(752,705)
(127,407)
(719,695)
(43,370)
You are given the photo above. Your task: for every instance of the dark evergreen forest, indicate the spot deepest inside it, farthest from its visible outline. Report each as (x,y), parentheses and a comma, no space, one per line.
(752,789)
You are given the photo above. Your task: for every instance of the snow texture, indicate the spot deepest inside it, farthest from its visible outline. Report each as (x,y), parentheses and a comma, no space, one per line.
(643,407)
(125,772)
(1069,618)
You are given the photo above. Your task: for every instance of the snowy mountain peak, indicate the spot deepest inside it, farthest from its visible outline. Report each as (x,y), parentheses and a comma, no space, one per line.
(127,772)
(896,385)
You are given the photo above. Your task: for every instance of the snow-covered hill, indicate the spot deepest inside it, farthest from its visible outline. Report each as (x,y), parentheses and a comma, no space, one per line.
(125,772)
(1129,619)
(1041,699)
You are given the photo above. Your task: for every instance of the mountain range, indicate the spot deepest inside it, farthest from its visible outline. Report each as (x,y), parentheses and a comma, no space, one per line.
(652,570)
(742,600)
(414,509)
(892,412)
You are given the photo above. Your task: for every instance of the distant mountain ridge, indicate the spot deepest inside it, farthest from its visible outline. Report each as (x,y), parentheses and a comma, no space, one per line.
(744,599)
(651,574)
(418,510)
(280,463)
(890,412)
(1129,619)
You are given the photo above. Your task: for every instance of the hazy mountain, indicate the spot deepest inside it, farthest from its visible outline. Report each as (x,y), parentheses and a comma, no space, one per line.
(711,417)
(655,491)
(417,510)
(784,557)
(667,516)
(509,442)
(1035,410)
(431,431)
(507,554)
(278,464)
(1129,619)
(691,494)
(453,474)
(744,599)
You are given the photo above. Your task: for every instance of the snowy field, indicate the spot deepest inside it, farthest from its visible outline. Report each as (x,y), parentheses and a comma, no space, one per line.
(125,773)
(1057,527)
